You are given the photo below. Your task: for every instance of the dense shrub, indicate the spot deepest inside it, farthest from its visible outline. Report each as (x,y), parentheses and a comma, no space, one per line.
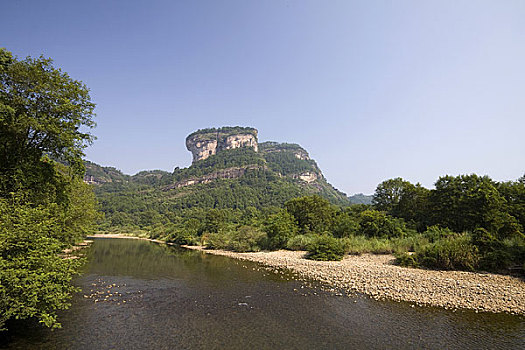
(356,245)
(407,260)
(326,248)
(516,248)
(248,239)
(381,246)
(409,244)
(181,237)
(452,253)
(312,213)
(492,251)
(243,239)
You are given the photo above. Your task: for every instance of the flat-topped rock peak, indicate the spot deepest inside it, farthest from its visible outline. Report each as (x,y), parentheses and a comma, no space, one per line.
(207,142)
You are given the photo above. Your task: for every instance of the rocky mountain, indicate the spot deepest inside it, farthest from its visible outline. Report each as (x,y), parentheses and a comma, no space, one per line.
(230,169)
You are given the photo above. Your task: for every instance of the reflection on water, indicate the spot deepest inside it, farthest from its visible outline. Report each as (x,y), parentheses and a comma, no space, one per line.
(141,295)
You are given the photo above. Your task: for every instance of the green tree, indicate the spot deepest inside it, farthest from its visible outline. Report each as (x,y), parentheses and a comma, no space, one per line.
(402,199)
(467,202)
(345,224)
(215,220)
(312,213)
(374,223)
(388,194)
(280,228)
(326,248)
(514,194)
(44,205)
(42,113)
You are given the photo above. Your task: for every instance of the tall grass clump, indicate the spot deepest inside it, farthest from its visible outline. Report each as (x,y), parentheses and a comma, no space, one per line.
(451,253)
(300,242)
(357,245)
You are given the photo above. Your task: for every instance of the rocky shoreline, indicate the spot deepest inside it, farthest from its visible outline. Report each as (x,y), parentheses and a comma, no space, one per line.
(377,277)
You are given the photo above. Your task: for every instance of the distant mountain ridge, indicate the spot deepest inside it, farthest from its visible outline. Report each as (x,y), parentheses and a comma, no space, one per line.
(360,198)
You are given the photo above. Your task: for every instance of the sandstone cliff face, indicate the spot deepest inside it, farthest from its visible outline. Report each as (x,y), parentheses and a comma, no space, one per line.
(205,144)
(201,149)
(243,140)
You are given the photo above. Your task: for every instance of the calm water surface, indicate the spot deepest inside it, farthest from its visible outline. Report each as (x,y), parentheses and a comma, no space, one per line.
(141,295)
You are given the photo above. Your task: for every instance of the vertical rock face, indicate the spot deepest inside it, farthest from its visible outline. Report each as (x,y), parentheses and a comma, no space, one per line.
(201,149)
(241,140)
(207,142)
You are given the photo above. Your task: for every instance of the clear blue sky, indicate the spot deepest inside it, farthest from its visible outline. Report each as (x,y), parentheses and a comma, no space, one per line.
(372,89)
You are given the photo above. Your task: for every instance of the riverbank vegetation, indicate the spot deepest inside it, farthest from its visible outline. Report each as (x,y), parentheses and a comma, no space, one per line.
(44,204)
(467,222)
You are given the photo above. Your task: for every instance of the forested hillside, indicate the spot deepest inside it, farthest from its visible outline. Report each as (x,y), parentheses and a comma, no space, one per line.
(236,179)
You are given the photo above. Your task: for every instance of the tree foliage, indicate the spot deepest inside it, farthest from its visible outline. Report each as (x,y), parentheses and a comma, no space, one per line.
(280,228)
(466,202)
(312,213)
(42,111)
(34,279)
(44,205)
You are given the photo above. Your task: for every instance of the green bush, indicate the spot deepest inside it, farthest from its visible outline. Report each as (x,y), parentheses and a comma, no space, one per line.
(356,245)
(381,246)
(312,213)
(345,225)
(248,239)
(492,251)
(407,260)
(452,253)
(326,248)
(217,240)
(516,249)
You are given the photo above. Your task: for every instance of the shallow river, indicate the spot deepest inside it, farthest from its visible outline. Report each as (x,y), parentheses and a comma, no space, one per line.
(142,295)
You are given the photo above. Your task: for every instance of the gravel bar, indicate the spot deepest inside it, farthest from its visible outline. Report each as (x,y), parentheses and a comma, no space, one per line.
(378,277)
